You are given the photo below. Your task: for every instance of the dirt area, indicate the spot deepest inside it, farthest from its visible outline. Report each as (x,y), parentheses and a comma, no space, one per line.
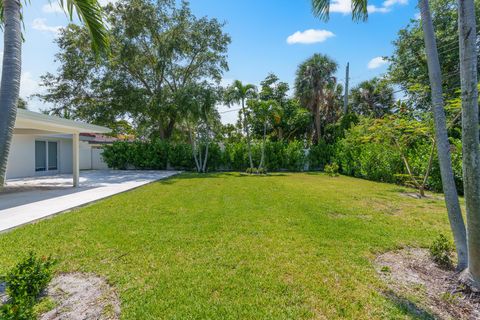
(416,283)
(80,296)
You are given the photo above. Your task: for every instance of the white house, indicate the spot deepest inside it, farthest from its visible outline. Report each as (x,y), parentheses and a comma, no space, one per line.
(48,145)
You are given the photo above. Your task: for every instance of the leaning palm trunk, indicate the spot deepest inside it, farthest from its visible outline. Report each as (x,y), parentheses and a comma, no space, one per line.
(247,131)
(10,84)
(443,145)
(470,140)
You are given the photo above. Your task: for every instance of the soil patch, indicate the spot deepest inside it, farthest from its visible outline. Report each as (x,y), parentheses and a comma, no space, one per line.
(416,283)
(79,296)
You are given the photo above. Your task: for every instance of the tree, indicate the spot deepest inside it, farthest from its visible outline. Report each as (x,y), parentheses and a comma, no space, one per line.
(89,11)
(372,98)
(158,50)
(239,93)
(408,64)
(443,145)
(311,84)
(401,132)
(467,33)
(360,11)
(202,115)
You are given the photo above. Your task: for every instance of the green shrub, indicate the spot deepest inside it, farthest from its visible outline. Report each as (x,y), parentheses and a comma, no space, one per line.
(332,169)
(441,252)
(320,155)
(25,282)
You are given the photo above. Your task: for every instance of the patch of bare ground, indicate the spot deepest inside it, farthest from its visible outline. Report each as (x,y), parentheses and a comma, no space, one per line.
(79,296)
(416,283)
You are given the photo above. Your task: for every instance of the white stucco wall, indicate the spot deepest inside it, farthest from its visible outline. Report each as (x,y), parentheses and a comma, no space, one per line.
(21,160)
(97,160)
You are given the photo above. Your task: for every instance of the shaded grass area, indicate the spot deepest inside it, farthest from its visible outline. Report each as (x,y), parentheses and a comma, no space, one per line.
(231,246)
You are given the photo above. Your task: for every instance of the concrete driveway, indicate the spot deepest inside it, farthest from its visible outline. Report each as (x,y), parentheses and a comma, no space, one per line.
(26,200)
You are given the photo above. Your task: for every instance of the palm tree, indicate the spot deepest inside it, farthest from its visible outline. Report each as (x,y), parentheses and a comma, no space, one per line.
(360,12)
(373,98)
(312,80)
(239,93)
(470,136)
(89,11)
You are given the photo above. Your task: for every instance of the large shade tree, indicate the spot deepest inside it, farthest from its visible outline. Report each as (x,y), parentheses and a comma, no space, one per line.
(360,12)
(89,11)
(158,51)
(313,80)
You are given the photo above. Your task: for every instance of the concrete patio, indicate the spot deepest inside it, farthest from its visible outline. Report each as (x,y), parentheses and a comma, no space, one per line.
(30,199)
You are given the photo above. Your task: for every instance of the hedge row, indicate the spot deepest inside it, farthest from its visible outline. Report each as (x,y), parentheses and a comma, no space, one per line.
(162,155)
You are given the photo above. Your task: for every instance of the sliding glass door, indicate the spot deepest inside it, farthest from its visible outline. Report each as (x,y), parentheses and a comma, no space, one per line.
(46,156)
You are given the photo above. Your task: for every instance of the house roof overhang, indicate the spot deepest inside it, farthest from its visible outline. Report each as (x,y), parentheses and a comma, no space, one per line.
(29,122)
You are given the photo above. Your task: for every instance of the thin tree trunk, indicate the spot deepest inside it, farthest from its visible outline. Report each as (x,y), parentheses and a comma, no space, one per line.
(443,145)
(247,131)
(318,123)
(204,168)
(263,144)
(10,83)
(429,165)
(194,149)
(470,140)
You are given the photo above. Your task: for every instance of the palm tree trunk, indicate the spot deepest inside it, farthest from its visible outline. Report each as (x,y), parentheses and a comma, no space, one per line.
(443,145)
(470,139)
(10,84)
(247,131)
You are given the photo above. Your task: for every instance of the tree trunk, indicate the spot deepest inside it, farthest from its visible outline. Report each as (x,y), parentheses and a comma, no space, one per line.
(247,131)
(10,83)
(443,145)
(318,121)
(204,168)
(470,139)
(262,161)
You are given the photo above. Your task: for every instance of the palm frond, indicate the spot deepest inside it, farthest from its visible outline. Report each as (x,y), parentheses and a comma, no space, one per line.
(321,9)
(90,13)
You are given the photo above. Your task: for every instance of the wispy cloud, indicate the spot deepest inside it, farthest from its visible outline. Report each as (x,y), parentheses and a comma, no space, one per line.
(309,36)
(377,62)
(345,6)
(40,24)
(53,7)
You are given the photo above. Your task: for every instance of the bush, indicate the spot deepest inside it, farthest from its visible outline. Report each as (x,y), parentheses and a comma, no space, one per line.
(332,169)
(24,284)
(441,252)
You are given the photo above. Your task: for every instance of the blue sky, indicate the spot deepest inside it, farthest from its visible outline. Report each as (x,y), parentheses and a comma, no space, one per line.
(267,36)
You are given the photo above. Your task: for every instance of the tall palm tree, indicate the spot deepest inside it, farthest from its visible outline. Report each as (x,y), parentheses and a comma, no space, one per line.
(89,11)
(360,12)
(239,93)
(470,136)
(312,80)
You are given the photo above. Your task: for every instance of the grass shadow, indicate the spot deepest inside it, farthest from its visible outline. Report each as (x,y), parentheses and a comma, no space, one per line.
(409,307)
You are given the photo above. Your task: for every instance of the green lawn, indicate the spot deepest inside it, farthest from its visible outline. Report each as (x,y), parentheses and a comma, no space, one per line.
(230,246)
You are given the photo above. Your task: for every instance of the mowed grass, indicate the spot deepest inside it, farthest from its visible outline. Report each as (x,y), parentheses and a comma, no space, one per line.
(231,246)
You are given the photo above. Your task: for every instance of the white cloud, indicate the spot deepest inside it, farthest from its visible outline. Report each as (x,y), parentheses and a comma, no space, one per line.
(53,7)
(345,6)
(341,6)
(374,9)
(390,3)
(377,62)
(309,36)
(40,24)
(28,85)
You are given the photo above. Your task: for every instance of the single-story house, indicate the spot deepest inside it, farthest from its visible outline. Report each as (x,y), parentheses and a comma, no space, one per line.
(49,145)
